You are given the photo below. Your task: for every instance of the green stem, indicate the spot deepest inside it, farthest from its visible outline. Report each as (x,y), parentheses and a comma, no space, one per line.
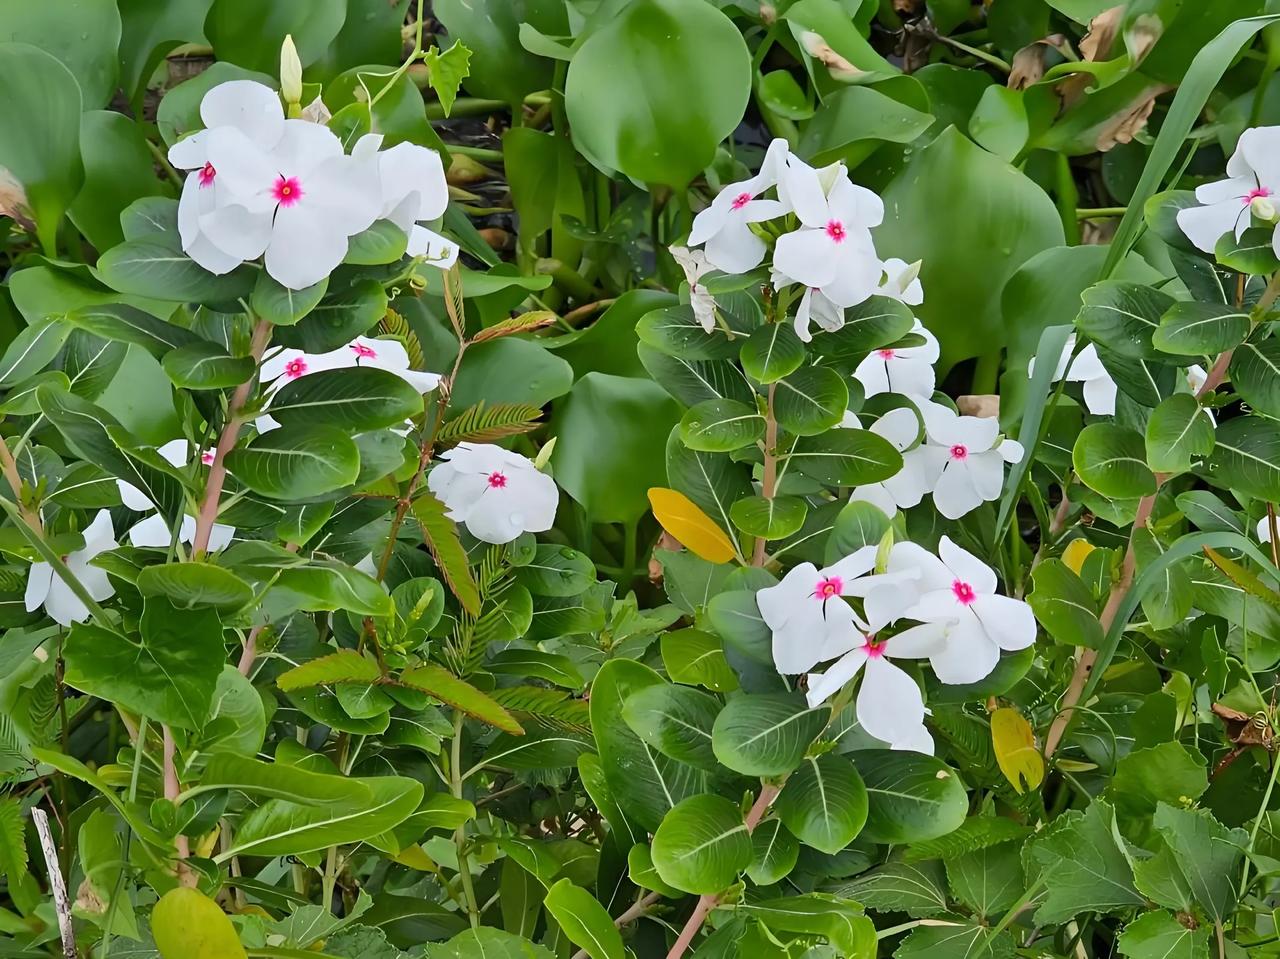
(986,373)
(459,836)
(628,553)
(404,67)
(1257,823)
(975,52)
(1090,213)
(467,107)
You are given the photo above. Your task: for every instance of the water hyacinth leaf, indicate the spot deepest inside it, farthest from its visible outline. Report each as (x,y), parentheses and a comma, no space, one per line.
(912,797)
(1123,316)
(1255,374)
(695,530)
(1200,329)
(1178,432)
(721,426)
(853,121)
(769,518)
(674,720)
(252,39)
(824,803)
(810,401)
(1111,460)
(766,735)
(772,352)
(584,920)
(296,462)
(702,845)
(355,399)
(206,366)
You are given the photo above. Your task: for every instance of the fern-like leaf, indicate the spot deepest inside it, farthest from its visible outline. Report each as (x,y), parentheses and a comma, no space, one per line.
(524,323)
(12,755)
(453,301)
(441,536)
(13,844)
(552,707)
(394,324)
(484,424)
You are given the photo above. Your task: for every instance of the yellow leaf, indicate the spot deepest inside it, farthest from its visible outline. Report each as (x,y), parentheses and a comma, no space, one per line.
(1076,553)
(187,924)
(1015,747)
(696,531)
(415,857)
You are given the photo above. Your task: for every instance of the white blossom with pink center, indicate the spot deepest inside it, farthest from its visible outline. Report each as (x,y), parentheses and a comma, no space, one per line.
(154,529)
(907,370)
(495,493)
(1246,197)
(46,588)
(414,191)
(902,282)
(956,599)
(901,427)
(806,611)
(1099,387)
(832,250)
(694,264)
(724,225)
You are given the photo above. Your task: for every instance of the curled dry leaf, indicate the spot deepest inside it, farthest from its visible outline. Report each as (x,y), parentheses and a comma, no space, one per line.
(1126,124)
(13,200)
(818,48)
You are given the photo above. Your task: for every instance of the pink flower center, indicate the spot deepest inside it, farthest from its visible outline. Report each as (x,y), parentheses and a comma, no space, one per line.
(959,452)
(206,174)
(826,588)
(885,354)
(835,230)
(497,480)
(295,368)
(207,457)
(873,649)
(287,190)
(963,592)
(1255,194)
(741,200)
(362,351)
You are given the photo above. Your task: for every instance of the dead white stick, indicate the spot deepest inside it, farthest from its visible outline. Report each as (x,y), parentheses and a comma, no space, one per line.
(60,902)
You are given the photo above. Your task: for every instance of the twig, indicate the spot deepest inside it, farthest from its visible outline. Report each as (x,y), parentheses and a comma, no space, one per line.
(250,651)
(10,469)
(1275,534)
(56,883)
(638,909)
(171,790)
(1216,375)
(770,478)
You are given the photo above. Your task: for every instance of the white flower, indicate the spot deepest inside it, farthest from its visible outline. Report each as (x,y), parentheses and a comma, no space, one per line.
(832,250)
(821,309)
(414,190)
(694,263)
(1264,530)
(810,622)
(154,530)
(497,494)
(957,593)
(901,427)
(962,460)
(1099,387)
(723,226)
(908,370)
(1197,376)
(46,588)
(288,365)
(1253,180)
(902,281)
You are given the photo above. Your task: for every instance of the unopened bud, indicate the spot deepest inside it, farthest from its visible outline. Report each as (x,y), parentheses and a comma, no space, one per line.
(290,71)
(1263,209)
(544,454)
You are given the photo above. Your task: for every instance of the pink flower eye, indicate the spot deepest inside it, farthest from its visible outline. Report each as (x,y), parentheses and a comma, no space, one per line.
(885,354)
(835,230)
(206,174)
(741,200)
(963,592)
(362,351)
(959,452)
(295,368)
(828,588)
(207,457)
(1257,193)
(497,480)
(286,190)
(873,649)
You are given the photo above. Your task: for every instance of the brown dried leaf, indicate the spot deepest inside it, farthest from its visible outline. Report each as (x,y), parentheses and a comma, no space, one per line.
(983,404)
(524,323)
(818,48)
(1103,30)
(1124,126)
(13,200)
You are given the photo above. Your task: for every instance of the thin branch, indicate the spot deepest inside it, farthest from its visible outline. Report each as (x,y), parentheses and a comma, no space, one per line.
(769,480)
(57,885)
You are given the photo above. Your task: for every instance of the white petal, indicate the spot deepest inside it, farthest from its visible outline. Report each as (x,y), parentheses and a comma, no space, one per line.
(344,193)
(921,468)
(855,204)
(1100,395)
(1261,149)
(1206,225)
(304,248)
(133,497)
(801,190)
(780,602)
(848,569)
(1264,530)
(704,309)
(250,107)
(822,686)
(414,173)
(917,741)
(39,578)
(808,256)
(189,153)
(969,655)
(152,531)
(176,452)
(99,535)
(1009,622)
(436,250)
(64,606)
(237,231)
(220,536)
(932,571)
(967,567)
(890,706)
(986,472)
(954,494)
(857,275)
(878,496)
(918,642)
(303,147)
(804,312)
(711,221)
(735,249)
(900,426)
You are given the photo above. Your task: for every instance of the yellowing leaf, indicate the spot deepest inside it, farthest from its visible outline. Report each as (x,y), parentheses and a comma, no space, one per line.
(187,924)
(1076,553)
(415,857)
(696,531)
(1015,747)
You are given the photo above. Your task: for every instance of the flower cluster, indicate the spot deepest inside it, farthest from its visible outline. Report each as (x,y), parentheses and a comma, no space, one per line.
(283,189)
(960,624)
(1245,199)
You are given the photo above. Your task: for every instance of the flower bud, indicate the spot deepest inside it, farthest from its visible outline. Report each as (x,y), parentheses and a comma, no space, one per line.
(290,71)
(1264,209)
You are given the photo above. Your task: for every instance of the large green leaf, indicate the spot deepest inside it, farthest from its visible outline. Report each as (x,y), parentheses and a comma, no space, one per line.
(586,922)
(1246,456)
(147,268)
(766,735)
(298,462)
(127,324)
(501,68)
(655,89)
(1083,867)
(118,169)
(913,797)
(702,845)
(674,720)
(250,35)
(1112,460)
(1255,373)
(1178,432)
(824,803)
(356,399)
(846,458)
(459,694)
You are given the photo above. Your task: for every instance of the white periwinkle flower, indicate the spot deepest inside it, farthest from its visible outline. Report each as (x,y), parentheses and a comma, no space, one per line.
(724,225)
(694,264)
(957,593)
(1248,193)
(154,530)
(902,281)
(288,365)
(495,493)
(46,588)
(901,427)
(414,191)
(962,459)
(907,370)
(1099,387)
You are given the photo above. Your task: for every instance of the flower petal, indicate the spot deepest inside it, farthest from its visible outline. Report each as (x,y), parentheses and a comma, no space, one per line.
(807,256)
(1009,622)
(968,656)
(889,705)
(252,108)
(304,248)
(967,567)
(1206,225)
(39,578)
(824,685)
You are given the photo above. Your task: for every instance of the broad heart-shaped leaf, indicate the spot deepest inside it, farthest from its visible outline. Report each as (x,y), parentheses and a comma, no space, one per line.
(846,458)
(32,350)
(1178,432)
(644,782)
(459,694)
(283,828)
(674,720)
(206,366)
(766,735)
(330,585)
(702,845)
(772,352)
(824,803)
(1159,935)
(586,922)
(1200,329)
(1246,456)
(655,89)
(696,531)
(1207,852)
(1255,374)
(167,673)
(810,401)
(1064,606)
(282,306)
(187,923)
(147,268)
(721,426)
(40,132)
(1085,870)
(354,399)
(1112,460)
(1005,217)
(296,462)
(192,585)
(1123,316)
(117,321)
(912,797)
(774,518)
(774,853)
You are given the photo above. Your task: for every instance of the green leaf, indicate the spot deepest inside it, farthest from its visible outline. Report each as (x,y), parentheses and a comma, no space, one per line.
(486,943)
(811,400)
(119,169)
(918,889)
(501,68)
(774,853)
(1208,853)
(912,797)
(192,585)
(674,331)
(344,666)
(1178,432)
(774,518)
(459,694)
(873,323)
(824,803)
(674,720)
(1064,606)
(556,571)
(1123,317)
(1167,772)
(447,70)
(382,243)
(1246,456)
(654,90)
(702,845)
(1200,329)
(960,940)
(841,922)
(252,37)
(696,658)
(846,458)
(354,399)
(282,306)
(1253,253)
(1255,374)
(185,922)
(552,667)
(147,268)
(32,350)
(1111,460)
(772,352)
(1084,867)
(584,920)
(296,462)
(989,880)
(1159,935)
(278,780)
(206,366)
(167,673)
(336,320)
(766,735)
(853,121)
(331,585)
(446,549)
(721,426)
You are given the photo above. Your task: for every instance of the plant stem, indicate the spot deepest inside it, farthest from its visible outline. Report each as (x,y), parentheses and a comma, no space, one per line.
(1090,213)
(1257,823)
(770,478)
(171,790)
(61,904)
(10,469)
(230,431)
(403,68)
(460,836)
(638,909)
